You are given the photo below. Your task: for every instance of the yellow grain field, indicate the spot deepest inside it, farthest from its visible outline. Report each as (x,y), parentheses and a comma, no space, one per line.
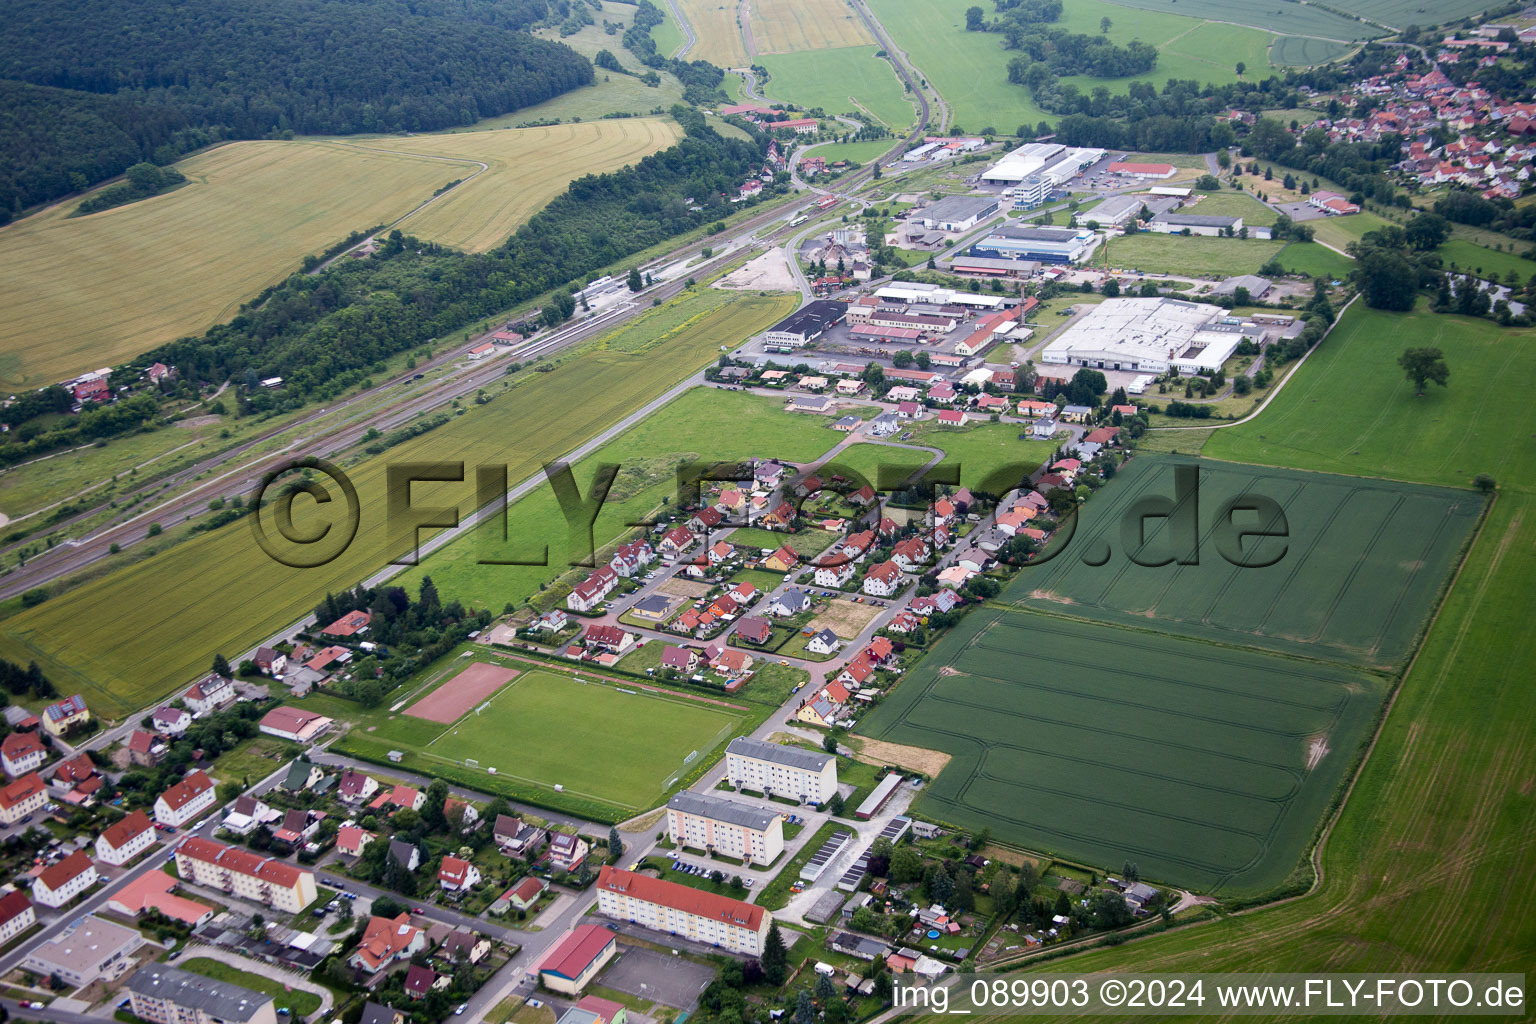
(719,35)
(83,292)
(78,293)
(526,168)
(793,26)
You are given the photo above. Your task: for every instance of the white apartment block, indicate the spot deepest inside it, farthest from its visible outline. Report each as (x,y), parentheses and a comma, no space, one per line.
(674,909)
(247,875)
(781,770)
(729,827)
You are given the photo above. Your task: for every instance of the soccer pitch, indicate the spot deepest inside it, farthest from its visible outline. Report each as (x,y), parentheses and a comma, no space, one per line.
(601,742)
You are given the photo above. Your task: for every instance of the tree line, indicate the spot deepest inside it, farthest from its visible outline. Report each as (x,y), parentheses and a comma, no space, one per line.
(111,85)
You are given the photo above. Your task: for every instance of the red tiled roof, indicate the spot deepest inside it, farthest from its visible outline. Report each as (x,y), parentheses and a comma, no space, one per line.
(680,897)
(574,953)
(20,744)
(22,789)
(121,833)
(195,784)
(13,904)
(66,870)
(240,861)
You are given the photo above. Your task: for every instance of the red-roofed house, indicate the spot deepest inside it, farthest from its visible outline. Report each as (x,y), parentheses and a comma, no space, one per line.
(349,624)
(184,801)
(609,638)
(419,981)
(351,840)
(456,875)
(156,890)
(21,798)
(677,540)
(22,752)
(782,560)
(16,914)
(145,748)
(577,958)
(62,882)
(293,724)
(951,417)
(119,843)
(386,941)
(355,787)
(674,909)
(78,779)
(883,580)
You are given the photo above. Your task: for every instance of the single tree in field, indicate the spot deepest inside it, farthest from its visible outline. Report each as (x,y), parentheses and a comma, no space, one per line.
(1424,364)
(1485,483)
(1104,24)
(635,283)
(1241,67)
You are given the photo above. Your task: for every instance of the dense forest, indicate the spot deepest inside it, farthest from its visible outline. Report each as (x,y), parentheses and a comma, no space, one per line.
(139,80)
(321,333)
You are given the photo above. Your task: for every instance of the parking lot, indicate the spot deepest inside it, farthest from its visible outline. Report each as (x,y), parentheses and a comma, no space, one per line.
(647,974)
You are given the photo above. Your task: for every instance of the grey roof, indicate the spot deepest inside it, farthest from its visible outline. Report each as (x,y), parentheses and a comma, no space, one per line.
(847,421)
(793,757)
(1197,220)
(814,318)
(400,851)
(792,599)
(1256,285)
(374,1013)
(217,999)
(720,809)
(1035,234)
(826,636)
(654,603)
(960,207)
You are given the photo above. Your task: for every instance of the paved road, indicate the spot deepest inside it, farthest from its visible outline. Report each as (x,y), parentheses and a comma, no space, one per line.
(677,12)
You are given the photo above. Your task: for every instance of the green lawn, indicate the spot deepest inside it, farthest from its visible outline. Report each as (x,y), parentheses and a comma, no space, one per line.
(841,81)
(301,1003)
(1375,425)
(254,759)
(856,152)
(547,729)
(1234,204)
(1194,256)
(990,455)
(970,69)
(808,543)
(1315,260)
(1467,255)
